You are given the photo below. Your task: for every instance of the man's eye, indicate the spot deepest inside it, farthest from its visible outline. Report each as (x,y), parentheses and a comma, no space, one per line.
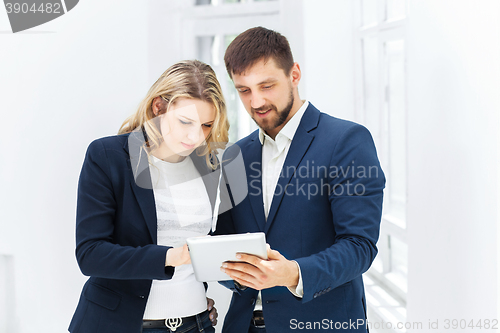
(242,91)
(267,87)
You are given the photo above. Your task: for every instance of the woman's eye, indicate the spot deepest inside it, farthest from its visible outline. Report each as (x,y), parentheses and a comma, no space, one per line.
(184,122)
(208,125)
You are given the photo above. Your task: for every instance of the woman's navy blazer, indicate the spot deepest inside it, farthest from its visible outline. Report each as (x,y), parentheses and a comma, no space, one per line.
(116,234)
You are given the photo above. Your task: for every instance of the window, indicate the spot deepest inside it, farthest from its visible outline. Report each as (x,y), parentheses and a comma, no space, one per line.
(381,106)
(210,49)
(208,28)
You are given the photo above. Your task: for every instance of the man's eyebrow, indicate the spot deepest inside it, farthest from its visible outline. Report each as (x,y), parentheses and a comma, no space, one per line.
(266,81)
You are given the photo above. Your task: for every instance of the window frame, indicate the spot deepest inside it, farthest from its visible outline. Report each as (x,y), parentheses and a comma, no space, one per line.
(392,226)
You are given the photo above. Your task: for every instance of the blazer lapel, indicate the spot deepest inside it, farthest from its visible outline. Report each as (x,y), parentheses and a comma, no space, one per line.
(298,148)
(141,181)
(254,180)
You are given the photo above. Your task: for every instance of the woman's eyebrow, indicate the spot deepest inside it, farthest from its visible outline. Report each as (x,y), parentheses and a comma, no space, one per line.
(187,118)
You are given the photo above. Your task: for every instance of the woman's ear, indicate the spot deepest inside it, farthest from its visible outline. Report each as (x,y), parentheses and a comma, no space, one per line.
(158,105)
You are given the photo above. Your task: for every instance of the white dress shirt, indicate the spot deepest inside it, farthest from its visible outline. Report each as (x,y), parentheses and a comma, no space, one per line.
(274,153)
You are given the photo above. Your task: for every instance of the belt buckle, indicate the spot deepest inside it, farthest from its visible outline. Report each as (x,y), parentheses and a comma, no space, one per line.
(173,323)
(258,319)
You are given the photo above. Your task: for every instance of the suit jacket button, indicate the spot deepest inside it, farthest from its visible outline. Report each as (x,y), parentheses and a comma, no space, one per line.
(142,296)
(315,295)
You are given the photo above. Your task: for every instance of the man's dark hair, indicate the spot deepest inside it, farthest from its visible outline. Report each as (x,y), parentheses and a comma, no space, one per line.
(255,44)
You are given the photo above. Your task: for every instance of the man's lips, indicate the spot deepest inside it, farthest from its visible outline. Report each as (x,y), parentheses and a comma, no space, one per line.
(262,113)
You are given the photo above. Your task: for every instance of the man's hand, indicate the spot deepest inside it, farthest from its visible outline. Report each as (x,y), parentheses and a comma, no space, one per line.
(212,310)
(259,274)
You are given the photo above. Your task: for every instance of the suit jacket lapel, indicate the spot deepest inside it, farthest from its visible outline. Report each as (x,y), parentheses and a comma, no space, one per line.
(141,181)
(254,180)
(298,148)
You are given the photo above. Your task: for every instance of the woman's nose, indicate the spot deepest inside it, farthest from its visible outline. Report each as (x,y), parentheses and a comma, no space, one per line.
(194,134)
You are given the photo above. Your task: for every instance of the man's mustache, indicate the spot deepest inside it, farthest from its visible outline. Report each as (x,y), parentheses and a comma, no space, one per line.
(264,108)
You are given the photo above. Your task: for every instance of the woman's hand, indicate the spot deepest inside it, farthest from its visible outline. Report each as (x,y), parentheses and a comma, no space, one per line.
(212,310)
(177,256)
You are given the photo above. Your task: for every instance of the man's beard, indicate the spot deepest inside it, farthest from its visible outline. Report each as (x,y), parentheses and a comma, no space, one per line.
(282,115)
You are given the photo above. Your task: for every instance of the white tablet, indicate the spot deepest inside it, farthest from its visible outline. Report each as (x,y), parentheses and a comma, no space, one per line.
(208,253)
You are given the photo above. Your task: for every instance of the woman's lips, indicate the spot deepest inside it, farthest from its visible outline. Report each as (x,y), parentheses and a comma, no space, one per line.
(187,146)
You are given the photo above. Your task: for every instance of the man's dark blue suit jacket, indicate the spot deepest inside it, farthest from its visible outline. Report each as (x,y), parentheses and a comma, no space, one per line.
(325,215)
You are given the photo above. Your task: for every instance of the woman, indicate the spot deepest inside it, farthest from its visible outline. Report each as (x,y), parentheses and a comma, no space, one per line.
(140,195)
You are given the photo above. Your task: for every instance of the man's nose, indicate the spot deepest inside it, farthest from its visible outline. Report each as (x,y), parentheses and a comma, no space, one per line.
(257,100)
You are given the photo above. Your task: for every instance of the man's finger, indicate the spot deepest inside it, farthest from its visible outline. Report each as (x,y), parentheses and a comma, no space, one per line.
(246,283)
(273,254)
(242,267)
(249,279)
(251,259)
(241,273)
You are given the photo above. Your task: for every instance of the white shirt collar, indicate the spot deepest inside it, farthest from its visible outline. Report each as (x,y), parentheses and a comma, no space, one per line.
(288,131)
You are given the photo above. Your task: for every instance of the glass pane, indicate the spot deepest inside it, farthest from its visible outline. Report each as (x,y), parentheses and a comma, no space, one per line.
(399,263)
(235,1)
(369,12)
(204,46)
(232,99)
(371,86)
(377,264)
(396,127)
(396,9)
(203,2)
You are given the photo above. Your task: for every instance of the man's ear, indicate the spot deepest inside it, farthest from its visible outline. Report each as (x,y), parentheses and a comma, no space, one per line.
(295,74)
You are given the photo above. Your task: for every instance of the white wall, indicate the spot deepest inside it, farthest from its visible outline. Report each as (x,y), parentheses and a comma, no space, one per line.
(62,85)
(327,73)
(453,147)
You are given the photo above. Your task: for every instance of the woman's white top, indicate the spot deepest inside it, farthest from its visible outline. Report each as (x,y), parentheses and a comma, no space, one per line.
(183,210)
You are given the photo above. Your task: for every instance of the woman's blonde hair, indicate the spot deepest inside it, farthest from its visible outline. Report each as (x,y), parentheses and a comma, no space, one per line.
(185,79)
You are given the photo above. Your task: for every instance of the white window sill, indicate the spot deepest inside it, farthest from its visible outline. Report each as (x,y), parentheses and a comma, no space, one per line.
(385,311)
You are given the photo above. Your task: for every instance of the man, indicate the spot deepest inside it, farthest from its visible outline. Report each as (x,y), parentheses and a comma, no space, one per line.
(315,188)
